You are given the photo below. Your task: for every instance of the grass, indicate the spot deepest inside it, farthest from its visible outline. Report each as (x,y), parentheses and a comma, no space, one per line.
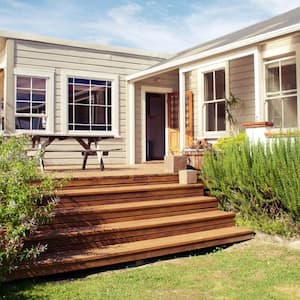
(252,270)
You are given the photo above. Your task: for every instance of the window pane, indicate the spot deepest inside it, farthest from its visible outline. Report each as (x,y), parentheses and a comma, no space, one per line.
(37,123)
(81,127)
(100,128)
(275,112)
(98,82)
(23,82)
(22,123)
(82,114)
(220,84)
(70,93)
(99,115)
(290,112)
(288,75)
(38,108)
(23,94)
(272,74)
(82,81)
(108,96)
(208,86)
(39,83)
(81,94)
(210,117)
(98,95)
(71,113)
(23,107)
(221,116)
(108,83)
(38,96)
(108,116)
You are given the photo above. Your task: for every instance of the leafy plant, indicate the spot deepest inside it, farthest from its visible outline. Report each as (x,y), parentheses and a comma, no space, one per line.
(259,181)
(230,103)
(26,201)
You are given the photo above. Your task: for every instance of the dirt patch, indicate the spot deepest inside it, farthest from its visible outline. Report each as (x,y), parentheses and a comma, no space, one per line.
(289,291)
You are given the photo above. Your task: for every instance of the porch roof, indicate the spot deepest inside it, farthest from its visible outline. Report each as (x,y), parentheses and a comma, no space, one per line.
(282,24)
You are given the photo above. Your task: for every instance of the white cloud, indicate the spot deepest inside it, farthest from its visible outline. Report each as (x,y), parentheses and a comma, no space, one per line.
(149,25)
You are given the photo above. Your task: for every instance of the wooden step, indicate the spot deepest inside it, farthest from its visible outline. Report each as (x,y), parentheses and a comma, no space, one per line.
(114,254)
(122,232)
(108,213)
(95,196)
(88,191)
(102,181)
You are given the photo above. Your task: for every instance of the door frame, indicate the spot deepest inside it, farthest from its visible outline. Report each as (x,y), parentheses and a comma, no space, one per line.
(155,90)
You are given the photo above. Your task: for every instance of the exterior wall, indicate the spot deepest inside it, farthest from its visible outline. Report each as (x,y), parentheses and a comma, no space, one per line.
(166,80)
(58,58)
(241,85)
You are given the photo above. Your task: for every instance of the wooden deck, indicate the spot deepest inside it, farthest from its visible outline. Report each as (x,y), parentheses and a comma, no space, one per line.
(104,219)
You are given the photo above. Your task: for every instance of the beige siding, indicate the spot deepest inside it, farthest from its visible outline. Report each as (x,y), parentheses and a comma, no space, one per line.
(241,82)
(38,55)
(167,80)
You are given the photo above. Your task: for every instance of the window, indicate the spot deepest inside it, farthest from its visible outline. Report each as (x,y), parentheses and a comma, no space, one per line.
(214,100)
(31,99)
(281,92)
(89,104)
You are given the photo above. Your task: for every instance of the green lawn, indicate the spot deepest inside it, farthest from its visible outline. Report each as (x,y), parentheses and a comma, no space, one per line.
(253,270)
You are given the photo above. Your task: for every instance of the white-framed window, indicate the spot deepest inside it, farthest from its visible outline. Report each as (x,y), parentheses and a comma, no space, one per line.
(90,103)
(34,100)
(281,92)
(214,84)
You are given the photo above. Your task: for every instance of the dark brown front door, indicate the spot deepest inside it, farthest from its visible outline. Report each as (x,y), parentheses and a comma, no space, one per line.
(155,126)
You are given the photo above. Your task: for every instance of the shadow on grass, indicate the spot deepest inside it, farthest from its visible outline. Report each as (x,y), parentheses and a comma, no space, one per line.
(31,289)
(21,290)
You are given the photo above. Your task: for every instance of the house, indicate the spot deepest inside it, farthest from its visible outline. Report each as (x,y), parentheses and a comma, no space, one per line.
(52,86)
(152,104)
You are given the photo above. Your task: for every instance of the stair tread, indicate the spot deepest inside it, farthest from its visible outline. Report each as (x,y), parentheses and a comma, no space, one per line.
(134,224)
(125,189)
(143,246)
(104,208)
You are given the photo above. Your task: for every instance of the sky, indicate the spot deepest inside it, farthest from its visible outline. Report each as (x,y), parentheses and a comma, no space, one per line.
(156,25)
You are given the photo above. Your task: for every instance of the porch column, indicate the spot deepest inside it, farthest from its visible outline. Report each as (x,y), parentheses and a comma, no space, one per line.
(182,109)
(9,90)
(131,124)
(258,85)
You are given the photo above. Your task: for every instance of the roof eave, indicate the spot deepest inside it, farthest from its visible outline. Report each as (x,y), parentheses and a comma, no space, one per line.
(79,44)
(232,46)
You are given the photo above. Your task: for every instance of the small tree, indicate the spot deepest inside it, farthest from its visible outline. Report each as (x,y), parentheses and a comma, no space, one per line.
(26,201)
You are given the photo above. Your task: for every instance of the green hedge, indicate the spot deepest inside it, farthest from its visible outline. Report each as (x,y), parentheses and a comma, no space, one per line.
(23,204)
(259,181)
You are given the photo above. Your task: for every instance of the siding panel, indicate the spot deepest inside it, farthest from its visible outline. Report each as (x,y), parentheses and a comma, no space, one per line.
(37,55)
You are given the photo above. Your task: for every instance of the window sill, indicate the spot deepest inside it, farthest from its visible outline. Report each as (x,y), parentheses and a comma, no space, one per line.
(215,134)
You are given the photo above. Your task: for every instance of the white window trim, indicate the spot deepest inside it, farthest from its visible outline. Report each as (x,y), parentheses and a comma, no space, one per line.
(65,74)
(48,74)
(283,56)
(202,115)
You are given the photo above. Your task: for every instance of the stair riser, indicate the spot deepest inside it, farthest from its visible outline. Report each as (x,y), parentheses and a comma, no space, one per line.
(103,218)
(58,268)
(90,200)
(124,181)
(102,239)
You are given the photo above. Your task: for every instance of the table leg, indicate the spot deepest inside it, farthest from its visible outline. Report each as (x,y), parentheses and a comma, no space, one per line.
(99,156)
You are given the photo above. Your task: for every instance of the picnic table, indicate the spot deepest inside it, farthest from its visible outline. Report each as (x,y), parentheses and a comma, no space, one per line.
(40,142)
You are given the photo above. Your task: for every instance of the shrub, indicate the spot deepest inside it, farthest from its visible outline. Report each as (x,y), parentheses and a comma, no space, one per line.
(259,181)
(26,200)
